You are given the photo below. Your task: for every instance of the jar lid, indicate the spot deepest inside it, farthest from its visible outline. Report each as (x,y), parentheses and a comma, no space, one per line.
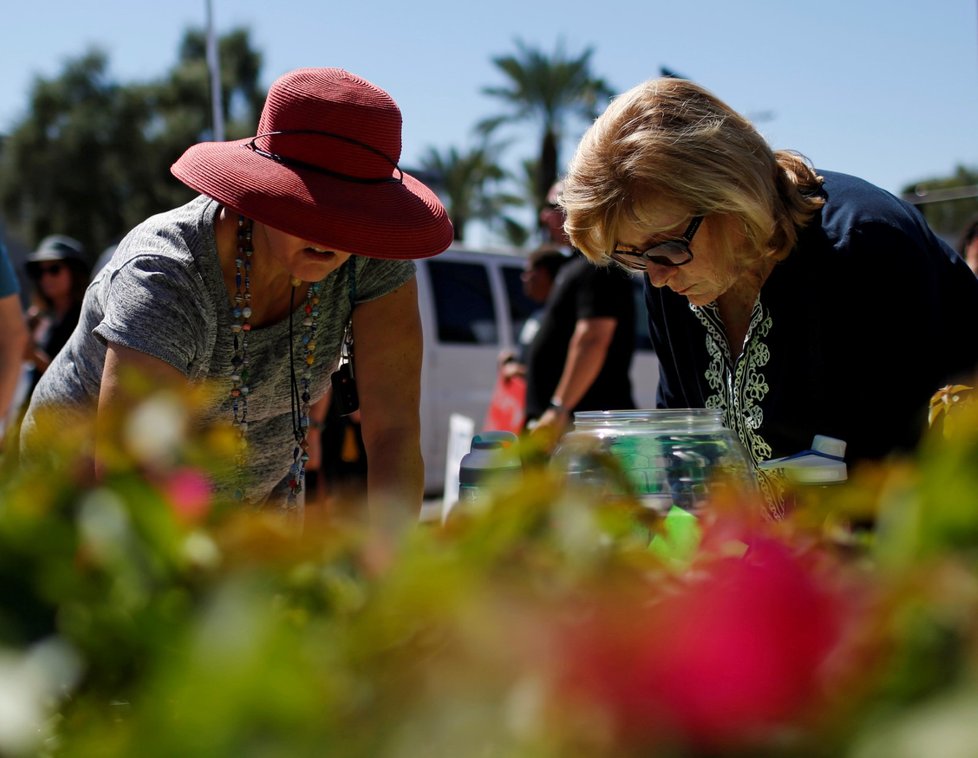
(682,417)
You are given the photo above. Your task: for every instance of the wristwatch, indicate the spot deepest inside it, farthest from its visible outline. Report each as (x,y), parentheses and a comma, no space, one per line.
(556,404)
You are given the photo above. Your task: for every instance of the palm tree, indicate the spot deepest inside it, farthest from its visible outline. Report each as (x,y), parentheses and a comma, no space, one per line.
(467,181)
(548,89)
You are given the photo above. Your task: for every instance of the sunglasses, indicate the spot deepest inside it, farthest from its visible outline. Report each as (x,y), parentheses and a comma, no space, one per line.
(670,252)
(51,268)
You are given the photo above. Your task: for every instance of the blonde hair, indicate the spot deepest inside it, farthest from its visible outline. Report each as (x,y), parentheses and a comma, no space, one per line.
(671,140)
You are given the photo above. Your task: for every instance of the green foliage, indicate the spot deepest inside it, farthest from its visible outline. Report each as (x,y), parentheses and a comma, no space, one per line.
(539,623)
(91,158)
(550,90)
(948,217)
(468,182)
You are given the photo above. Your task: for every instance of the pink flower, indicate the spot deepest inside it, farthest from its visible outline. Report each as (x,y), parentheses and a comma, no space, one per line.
(189,493)
(735,650)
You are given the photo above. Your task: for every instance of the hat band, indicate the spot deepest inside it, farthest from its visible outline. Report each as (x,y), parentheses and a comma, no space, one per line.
(295,163)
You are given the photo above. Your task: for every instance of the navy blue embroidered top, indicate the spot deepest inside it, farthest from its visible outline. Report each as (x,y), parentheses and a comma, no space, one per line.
(852,333)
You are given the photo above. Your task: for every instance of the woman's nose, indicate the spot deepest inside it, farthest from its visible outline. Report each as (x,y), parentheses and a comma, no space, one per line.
(659,275)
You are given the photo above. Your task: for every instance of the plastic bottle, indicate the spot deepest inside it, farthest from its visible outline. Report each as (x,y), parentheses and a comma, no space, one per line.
(812,475)
(487,460)
(823,463)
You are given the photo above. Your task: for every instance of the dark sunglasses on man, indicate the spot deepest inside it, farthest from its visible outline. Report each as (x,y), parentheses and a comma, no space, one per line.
(670,252)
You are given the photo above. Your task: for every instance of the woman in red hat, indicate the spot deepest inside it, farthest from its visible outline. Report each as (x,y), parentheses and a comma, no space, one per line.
(302,237)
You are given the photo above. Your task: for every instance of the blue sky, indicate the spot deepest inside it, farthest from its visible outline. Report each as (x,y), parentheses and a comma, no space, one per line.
(884,89)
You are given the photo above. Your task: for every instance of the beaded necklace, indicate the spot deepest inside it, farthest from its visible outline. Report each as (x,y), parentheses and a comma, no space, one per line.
(240,367)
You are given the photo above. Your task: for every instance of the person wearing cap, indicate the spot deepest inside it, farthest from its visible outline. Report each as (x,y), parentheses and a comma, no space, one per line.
(798,302)
(14,337)
(307,227)
(58,270)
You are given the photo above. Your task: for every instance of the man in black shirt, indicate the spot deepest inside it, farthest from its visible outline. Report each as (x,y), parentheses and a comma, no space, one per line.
(581,356)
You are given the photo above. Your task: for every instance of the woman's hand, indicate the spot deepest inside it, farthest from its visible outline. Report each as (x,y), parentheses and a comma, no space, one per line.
(549,427)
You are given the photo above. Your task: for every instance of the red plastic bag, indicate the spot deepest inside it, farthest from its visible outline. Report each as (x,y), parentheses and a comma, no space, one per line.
(507,408)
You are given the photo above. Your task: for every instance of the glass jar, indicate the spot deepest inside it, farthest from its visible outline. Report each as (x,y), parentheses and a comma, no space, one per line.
(663,457)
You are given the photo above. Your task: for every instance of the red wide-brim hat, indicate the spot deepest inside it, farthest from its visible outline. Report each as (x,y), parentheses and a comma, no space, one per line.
(324,167)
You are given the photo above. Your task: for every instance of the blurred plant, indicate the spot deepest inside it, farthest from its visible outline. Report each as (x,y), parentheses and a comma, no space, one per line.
(944,401)
(142,616)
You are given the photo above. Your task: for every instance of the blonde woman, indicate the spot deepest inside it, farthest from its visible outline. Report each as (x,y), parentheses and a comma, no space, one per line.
(800,302)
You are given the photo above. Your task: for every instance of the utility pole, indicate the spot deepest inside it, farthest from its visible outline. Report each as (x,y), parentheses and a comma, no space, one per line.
(214,67)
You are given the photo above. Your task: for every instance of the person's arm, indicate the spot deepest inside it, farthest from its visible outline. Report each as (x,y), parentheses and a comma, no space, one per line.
(586,354)
(314,435)
(36,355)
(127,377)
(387,366)
(13,344)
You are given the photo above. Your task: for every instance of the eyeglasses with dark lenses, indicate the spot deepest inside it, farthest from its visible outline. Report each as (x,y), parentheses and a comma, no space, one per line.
(671,252)
(51,268)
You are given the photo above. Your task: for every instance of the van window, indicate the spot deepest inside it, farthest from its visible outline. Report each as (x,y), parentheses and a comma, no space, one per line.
(520,306)
(463,303)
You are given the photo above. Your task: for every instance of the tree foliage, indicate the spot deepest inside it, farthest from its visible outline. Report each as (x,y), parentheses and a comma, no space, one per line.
(91,158)
(550,90)
(949,204)
(469,182)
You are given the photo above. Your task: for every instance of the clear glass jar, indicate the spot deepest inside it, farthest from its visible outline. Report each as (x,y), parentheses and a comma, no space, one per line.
(663,457)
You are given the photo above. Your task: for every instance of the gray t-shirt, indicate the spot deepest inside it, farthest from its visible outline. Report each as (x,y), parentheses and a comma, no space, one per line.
(163,294)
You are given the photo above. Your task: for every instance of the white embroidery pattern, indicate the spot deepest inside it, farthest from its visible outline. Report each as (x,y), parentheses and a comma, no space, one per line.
(738,388)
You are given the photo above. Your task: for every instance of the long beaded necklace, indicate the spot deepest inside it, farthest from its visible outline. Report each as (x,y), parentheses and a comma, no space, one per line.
(241,370)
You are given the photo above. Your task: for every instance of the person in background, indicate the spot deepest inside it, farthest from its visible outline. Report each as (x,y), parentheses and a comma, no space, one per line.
(307,227)
(968,246)
(14,338)
(581,355)
(798,302)
(58,270)
(538,277)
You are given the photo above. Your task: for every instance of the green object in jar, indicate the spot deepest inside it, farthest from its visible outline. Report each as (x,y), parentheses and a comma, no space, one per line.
(679,539)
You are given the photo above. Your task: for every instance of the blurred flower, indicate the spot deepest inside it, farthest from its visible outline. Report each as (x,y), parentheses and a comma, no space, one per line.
(944,400)
(188,491)
(737,649)
(31,684)
(104,525)
(156,430)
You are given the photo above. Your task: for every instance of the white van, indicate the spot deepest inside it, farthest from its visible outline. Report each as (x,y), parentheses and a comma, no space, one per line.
(472,307)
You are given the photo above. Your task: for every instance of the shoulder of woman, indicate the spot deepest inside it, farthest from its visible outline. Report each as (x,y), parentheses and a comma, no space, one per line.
(379,269)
